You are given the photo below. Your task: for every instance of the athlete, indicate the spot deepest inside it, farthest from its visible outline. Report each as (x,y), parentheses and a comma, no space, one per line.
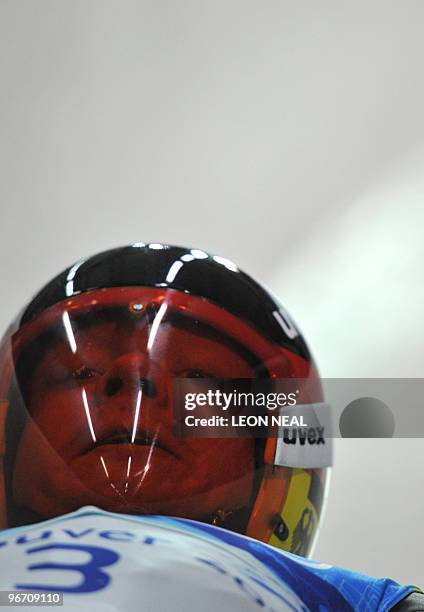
(102,501)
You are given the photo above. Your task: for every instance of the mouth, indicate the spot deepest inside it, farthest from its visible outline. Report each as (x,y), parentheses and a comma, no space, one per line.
(143,438)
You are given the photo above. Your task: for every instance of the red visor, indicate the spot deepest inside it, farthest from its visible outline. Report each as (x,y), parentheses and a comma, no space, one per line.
(89,389)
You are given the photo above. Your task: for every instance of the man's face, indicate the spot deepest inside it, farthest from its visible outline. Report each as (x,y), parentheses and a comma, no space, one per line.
(100,425)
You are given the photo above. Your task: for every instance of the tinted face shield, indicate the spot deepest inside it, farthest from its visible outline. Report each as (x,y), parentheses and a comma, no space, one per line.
(91,418)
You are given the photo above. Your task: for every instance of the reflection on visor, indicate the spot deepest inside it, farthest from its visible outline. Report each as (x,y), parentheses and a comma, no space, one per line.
(97,393)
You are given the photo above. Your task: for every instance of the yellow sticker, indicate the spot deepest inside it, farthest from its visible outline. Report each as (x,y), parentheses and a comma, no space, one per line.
(299,515)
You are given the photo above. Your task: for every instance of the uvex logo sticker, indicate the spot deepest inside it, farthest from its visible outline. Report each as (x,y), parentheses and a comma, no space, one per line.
(306,447)
(303,435)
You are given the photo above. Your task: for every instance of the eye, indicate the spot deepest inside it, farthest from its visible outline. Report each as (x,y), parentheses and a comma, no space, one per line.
(195,373)
(85,373)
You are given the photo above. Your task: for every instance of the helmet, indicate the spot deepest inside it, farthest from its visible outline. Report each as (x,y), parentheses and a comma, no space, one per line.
(86,382)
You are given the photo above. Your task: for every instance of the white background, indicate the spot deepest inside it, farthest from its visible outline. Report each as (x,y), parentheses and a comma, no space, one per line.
(287,136)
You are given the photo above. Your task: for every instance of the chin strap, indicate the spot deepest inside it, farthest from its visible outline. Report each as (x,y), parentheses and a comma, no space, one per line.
(235,519)
(220,516)
(4,404)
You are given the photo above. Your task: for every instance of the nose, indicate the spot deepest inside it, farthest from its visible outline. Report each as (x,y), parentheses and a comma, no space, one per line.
(116,383)
(128,375)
